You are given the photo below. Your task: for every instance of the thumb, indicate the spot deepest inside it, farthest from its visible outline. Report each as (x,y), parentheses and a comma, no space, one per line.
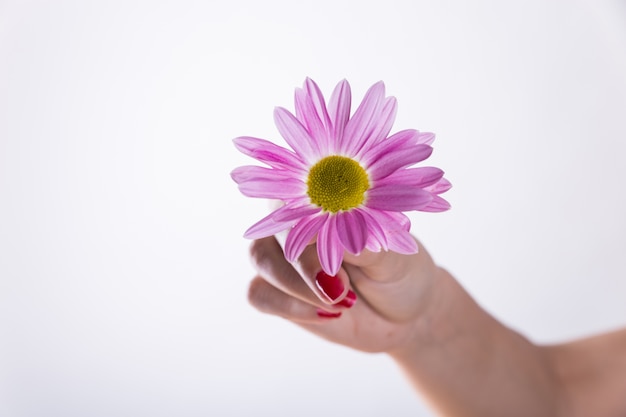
(389,266)
(396,286)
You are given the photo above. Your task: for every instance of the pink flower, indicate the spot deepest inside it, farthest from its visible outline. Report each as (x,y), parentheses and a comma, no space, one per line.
(346,183)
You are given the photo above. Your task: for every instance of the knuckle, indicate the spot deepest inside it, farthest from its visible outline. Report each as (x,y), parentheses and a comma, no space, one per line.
(267,299)
(256,292)
(255,248)
(258,251)
(308,261)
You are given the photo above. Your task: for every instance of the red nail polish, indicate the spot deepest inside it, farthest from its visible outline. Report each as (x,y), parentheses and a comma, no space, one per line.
(349,300)
(327,314)
(330,285)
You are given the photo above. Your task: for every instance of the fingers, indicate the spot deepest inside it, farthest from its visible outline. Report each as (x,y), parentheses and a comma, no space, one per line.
(303,280)
(395,285)
(269,299)
(392,285)
(330,289)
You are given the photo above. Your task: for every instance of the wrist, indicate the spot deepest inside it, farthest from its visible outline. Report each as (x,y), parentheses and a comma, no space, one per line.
(431,327)
(469,364)
(451,323)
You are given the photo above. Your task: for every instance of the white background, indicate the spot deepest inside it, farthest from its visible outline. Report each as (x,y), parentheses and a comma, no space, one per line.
(123,273)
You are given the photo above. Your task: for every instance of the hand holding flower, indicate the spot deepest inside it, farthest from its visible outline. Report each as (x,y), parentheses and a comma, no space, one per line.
(381,297)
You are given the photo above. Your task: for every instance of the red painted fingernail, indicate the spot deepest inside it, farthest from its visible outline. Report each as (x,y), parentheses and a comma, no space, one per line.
(327,314)
(331,286)
(349,300)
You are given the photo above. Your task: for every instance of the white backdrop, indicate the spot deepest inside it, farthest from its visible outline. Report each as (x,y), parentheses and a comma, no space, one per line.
(123,273)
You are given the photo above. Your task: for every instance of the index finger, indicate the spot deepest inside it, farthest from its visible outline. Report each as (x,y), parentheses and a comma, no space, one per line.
(331,289)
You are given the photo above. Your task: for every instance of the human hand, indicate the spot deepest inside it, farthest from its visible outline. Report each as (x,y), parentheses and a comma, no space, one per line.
(376,303)
(457,356)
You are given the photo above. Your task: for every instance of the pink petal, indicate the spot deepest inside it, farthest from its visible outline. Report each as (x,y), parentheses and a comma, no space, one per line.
(397,226)
(415,177)
(400,220)
(269,153)
(247,173)
(390,220)
(281,219)
(363,121)
(373,245)
(426,138)
(440,187)
(301,235)
(267,226)
(268,183)
(307,114)
(352,230)
(339,110)
(268,189)
(397,198)
(376,239)
(295,210)
(437,205)
(405,139)
(318,101)
(402,242)
(295,134)
(329,247)
(384,122)
(392,161)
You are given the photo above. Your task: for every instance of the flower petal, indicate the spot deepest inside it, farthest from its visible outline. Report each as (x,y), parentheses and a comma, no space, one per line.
(404,139)
(402,242)
(262,182)
(246,173)
(440,187)
(318,102)
(284,190)
(415,177)
(397,226)
(437,205)
(281,219)
(392,161)
(384,123)
(397,198)
(352,230)
(399,219)
(267,226)
(339,111)
(390,221)
(376,239)
(295,210)
(269,153)
(426,138)
(295,134)
(307,115)
(301,235)
(362,122)
(329,247)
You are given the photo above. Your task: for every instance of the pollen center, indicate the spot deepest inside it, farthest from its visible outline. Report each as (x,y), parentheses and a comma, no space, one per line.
(337,183)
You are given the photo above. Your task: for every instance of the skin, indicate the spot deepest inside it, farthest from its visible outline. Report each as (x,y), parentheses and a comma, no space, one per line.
(458,357)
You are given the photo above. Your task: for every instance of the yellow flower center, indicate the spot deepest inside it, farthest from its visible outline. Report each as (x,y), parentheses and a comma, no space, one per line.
(337,183)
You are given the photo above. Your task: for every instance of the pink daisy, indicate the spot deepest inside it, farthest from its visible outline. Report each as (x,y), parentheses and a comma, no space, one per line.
(346,182)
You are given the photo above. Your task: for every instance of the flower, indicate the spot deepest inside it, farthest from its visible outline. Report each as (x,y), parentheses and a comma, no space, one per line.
(345,182)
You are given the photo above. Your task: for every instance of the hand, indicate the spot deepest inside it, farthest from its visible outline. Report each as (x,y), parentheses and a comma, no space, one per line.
(376,303)
(457,356)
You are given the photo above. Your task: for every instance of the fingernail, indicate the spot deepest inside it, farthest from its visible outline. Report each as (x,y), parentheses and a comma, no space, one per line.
(331,286)
(349,300)
(327,314)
